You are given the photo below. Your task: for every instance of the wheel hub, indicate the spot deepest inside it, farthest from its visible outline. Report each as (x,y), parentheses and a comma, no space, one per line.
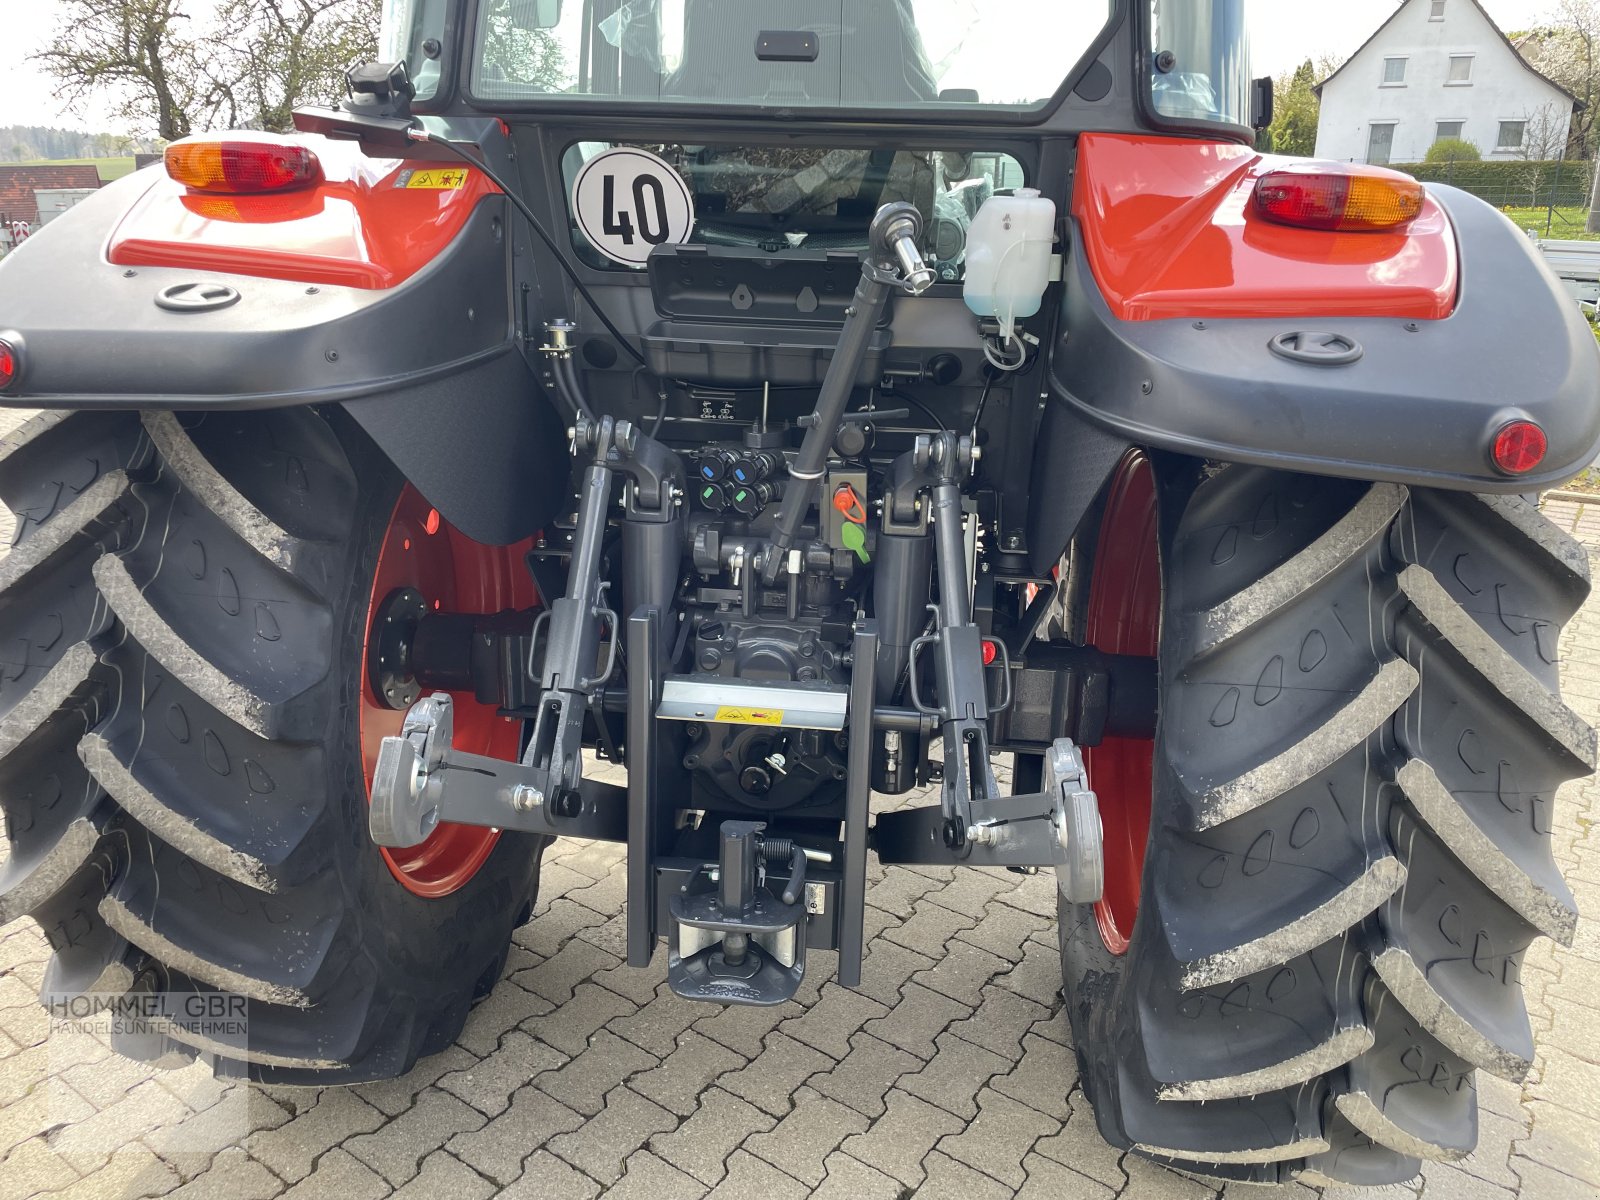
(394,631)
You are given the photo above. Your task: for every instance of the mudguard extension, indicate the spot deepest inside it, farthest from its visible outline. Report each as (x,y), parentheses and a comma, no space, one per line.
(1420,404)
(429,368)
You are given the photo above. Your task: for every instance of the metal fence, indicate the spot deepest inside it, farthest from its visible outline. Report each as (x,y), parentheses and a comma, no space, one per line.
(1560,192)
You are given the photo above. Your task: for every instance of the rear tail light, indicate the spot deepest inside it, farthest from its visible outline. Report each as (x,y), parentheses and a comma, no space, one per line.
(240,163)
(1519,447)
(1336,197)
(10,365)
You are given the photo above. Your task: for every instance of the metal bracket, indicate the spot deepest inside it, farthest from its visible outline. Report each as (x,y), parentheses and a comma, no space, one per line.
(1058,827)
(421,781)
(963,703)
(575,620)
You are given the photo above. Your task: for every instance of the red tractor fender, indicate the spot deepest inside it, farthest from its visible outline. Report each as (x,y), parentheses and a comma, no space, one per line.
(1170,230)
(370,222)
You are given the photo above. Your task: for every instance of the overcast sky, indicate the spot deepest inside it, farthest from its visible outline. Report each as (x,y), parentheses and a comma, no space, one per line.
(1284,33)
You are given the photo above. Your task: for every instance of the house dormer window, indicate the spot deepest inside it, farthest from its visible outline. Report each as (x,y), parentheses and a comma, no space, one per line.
(1394,72)
(1460,70)
(1437,12)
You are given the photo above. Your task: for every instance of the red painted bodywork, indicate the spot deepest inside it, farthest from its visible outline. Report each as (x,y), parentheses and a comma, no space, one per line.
(1169,231)
(358,228)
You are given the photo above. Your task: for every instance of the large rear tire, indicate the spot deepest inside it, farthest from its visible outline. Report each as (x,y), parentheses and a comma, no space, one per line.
(183,615)
(1359,743)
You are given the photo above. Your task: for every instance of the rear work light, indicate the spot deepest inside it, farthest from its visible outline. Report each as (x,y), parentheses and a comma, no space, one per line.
(1338,198)
(1519,447)
(241,164)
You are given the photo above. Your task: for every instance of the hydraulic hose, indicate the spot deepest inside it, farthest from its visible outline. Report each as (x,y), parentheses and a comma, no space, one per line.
(566,377)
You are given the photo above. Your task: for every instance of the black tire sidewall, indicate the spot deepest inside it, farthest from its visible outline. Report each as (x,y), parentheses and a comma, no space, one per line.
(428,948)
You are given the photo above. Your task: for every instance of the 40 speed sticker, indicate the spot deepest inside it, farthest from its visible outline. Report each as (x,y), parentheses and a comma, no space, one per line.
(628,201)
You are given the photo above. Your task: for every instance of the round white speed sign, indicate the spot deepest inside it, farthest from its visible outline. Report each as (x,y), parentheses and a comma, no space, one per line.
(627,202)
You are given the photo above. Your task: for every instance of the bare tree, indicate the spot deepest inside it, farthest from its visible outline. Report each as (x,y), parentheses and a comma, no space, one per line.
(289,52)
(1566,48)
(257,62)
(141,51)
(1544,134)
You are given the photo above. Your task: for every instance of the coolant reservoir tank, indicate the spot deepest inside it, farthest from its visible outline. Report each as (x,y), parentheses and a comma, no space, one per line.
(1008,257)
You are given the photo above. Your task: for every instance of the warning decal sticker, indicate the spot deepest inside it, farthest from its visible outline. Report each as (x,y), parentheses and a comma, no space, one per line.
(438,179)
(749,716)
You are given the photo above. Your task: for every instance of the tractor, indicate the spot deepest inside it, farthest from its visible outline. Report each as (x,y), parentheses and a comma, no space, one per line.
(791,404)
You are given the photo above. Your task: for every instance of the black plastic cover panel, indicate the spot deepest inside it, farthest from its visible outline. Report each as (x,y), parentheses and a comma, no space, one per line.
(1419,404)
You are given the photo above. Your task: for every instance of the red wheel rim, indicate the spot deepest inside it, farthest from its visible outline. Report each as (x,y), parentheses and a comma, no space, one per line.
(1124,617)
(455,574)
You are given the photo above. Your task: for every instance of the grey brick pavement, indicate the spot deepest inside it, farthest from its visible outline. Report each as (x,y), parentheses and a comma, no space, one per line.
(949,1073)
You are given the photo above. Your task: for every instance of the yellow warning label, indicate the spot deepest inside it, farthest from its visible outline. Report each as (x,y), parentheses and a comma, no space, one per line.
(437,179)
(750,716)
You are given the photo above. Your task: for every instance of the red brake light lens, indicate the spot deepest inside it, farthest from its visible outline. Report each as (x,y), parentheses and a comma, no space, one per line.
(8,365)
(1519,447)
(242,164)
(1338,198)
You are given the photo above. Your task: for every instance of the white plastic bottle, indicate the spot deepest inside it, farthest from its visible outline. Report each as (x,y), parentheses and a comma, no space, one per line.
(1008,257)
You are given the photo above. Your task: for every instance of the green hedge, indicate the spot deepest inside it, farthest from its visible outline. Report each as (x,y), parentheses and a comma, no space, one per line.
(1511,182)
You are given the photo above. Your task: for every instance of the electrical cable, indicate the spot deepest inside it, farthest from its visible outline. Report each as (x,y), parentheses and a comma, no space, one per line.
(661,398)
(422,135)
(983,400)
(915,403)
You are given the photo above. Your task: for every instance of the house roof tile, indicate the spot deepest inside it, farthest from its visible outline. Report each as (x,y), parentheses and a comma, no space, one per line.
(18,184)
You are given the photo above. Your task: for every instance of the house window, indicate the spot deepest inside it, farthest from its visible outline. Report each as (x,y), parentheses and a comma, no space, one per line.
(1437,14)
(1460,69)
(1511,135)
(1447,129)
(1380,143)
(1394,72)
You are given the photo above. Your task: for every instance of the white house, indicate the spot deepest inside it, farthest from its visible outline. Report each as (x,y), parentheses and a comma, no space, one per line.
(1440,68)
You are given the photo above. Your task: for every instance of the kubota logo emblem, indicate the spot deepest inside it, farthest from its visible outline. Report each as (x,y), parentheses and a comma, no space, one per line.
(1317,348)
(196,297)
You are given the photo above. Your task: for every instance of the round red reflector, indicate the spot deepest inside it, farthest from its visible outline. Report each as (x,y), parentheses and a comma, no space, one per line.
(989,653)
(1519,447)
(8,365)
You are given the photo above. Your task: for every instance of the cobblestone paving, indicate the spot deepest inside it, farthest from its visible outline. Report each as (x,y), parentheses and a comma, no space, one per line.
(948,1074)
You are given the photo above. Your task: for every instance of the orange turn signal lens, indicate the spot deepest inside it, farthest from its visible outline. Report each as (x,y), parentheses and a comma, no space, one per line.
(1335,197)
(240,163)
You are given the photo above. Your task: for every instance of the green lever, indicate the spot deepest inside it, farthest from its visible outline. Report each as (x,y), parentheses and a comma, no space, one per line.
(855,538)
